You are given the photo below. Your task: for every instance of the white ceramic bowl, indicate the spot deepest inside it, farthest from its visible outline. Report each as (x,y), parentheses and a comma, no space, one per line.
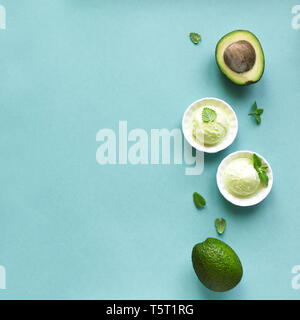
(214,102)
(243,202)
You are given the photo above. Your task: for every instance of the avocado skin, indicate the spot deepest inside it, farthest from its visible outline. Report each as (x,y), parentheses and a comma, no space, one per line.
(247,83)
(216,265)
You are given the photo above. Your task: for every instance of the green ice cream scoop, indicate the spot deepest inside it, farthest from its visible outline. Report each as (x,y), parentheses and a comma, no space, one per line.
(240,178)
(209,133)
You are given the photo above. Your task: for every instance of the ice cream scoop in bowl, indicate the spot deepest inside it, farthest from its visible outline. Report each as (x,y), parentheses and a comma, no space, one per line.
(244,178)
(210,125)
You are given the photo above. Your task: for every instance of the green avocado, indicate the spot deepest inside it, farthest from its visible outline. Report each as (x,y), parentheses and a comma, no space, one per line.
(217,266)
(240,57)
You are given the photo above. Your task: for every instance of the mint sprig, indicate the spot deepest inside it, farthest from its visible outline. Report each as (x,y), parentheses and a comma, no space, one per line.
(195,37)
(209,115)
(220,225)
(256,113)
(261,170)
(199,201)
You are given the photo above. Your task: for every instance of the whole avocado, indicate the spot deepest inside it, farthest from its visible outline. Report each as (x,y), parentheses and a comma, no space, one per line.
(216,265)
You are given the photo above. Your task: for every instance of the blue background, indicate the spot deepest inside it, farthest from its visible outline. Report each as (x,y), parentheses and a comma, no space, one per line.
(72,229)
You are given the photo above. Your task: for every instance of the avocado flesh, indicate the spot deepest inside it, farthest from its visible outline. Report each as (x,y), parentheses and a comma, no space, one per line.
(240,57)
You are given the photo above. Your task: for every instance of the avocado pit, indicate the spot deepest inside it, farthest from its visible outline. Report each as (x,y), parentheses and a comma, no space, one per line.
(240,56)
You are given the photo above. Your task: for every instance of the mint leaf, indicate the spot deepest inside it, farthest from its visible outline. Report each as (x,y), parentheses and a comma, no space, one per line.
(199,201)
(220,225)
(195,37)
(257,113)
(256,161)
(208,115)
(263,178)
(261,170)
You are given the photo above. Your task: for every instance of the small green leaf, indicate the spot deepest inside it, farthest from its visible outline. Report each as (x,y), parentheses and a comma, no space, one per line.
(258,119)
(209,115)
(264,167)
(199,200)
(261,170)
(195,37)
(256,161)
(220,225)
(257,113)
(263,178)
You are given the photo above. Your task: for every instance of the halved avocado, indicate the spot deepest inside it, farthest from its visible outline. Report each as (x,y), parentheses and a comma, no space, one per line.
(240,57)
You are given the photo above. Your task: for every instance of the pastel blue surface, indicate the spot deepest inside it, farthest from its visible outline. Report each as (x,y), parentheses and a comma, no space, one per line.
(73,229)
